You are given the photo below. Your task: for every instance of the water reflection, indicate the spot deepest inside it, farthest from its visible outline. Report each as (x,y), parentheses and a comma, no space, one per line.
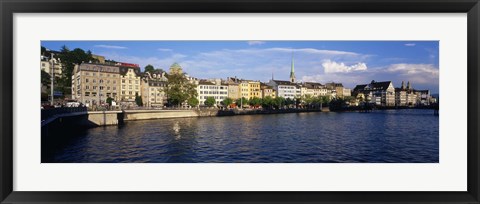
(381,136)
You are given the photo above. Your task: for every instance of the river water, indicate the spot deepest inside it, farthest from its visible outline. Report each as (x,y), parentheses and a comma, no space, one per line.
(386,136)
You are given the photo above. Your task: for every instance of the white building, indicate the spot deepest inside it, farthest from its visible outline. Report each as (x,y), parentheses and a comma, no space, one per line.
(212,88)
(46,65)
(286,89)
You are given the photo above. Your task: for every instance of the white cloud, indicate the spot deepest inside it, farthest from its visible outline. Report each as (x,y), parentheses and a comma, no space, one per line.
(164,49)
(110,46)
(421,76)
(333,67)
(416,73)
(410,44)
(255,42)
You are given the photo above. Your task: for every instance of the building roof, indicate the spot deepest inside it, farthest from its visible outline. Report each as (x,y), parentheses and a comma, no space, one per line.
(312,85)
(205,82)
(382,85)
(333,84)
(124,70)
(280,82)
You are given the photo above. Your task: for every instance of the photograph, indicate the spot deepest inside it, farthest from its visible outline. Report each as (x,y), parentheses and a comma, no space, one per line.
(239,101)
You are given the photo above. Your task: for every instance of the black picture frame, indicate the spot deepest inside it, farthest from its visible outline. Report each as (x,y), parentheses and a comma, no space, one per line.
(10,7)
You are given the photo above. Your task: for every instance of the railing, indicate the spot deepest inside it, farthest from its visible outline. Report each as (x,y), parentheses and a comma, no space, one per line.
(47,113)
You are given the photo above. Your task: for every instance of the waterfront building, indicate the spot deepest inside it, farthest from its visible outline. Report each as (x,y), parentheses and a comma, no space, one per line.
(285,89)
(254,89)
(313,89)
(347,92)
(212,88)
(130,82)
(335,89)
(423,97)
(267,90)
(49,64)
(249,89)
(407,96)
(92,84)
(153,87)
(233,88)
(378,93)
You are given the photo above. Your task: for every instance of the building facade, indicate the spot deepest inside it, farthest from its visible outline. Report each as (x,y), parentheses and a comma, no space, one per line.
(212,88)
(285,89)
(336,89)
(267,90)
(153,87)
(51,64)
(92,84)
(378,93)
(130,82)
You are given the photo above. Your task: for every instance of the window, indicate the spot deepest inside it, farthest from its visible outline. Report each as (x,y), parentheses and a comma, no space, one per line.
(130,87)
(101,87)
(123,80)
(94,87)
(123,86)
(86,80)
(87,87)
(101,81)
(114,81)
(94,81)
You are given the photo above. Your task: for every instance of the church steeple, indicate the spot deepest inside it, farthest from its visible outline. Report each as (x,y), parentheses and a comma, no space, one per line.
(292,71)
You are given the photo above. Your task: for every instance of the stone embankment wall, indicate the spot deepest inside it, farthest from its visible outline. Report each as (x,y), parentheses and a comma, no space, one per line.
(158,114)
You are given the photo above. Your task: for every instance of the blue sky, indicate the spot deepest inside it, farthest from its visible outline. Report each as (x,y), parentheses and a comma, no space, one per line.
(348,62)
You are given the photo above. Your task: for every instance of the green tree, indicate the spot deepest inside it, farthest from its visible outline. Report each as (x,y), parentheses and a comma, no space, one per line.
(241,101)
(227,102)
(325,100)
(268,102)
(255,101)
(279,102)
(69,59)
(308,100)
(338,104)
(193,102)
(179,89)
(289,102)
(138,100)
(149,68)
(43,50)
(210,101)
(45,78)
